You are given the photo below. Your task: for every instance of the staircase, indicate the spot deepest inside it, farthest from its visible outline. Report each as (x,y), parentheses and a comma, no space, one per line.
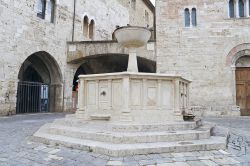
(129,139)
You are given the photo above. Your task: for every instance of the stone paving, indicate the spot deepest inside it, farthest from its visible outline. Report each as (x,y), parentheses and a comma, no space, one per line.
(17,149)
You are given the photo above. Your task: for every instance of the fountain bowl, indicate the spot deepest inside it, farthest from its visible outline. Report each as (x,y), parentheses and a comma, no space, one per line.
(132,36)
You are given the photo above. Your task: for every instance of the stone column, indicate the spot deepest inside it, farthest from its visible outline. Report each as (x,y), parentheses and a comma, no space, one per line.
(81,100)
(132,61)
(237,9)
(177,97)
(126,112)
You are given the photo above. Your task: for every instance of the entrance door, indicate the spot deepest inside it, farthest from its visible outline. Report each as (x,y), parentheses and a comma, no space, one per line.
(243,90)
(32,97)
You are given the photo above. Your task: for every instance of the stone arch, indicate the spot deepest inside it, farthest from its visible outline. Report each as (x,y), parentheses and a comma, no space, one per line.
(42,68)
(237,52)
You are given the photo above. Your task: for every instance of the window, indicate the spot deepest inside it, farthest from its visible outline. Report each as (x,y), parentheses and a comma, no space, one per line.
(51,10)
(41,7)
(248,7)
(133,4)
(187,17)
(241,8)
(85,26)
(231,9)
(91,29)
(146,18)
(194,19)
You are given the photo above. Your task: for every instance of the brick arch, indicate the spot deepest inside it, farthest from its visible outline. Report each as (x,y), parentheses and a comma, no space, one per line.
(237,52)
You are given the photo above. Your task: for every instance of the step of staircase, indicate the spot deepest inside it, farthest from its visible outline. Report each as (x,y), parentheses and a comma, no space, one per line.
(171,126)
(98,134)
(119,150)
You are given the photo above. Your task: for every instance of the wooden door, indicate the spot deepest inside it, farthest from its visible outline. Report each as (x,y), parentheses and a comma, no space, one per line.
(243,90)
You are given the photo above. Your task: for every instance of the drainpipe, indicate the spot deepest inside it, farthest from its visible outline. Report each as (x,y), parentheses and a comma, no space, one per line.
(73,24)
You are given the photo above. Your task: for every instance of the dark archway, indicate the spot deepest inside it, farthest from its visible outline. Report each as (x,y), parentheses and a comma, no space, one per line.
(40,85)
(98,64)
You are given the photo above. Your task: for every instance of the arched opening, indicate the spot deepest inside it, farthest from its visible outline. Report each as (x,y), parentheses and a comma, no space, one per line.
(187,17)
(41,8)
(98,64)
(194,17)
(231,9)
(85,26)
(40,85)
(51,10)
(241,8)
(91,29)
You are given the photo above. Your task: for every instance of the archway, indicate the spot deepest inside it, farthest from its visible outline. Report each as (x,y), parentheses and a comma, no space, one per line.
(98,64)
(40,85)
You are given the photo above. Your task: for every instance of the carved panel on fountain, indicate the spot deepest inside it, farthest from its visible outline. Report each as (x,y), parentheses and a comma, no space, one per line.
(145,97)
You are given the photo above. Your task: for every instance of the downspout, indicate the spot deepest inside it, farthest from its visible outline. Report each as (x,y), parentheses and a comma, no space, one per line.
(73,24)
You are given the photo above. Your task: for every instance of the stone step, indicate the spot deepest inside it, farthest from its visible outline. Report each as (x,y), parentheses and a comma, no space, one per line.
(128,137)
(118,150)
(171,126)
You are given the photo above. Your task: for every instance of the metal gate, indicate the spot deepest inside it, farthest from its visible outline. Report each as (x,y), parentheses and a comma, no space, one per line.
(32,97)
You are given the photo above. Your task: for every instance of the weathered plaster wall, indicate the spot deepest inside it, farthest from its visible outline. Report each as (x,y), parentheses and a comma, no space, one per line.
(200,53)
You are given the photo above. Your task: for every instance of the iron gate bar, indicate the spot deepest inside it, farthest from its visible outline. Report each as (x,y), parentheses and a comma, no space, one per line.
(32,97)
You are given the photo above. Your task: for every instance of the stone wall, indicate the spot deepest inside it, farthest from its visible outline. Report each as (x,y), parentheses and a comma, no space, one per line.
(200,53)
(22,33)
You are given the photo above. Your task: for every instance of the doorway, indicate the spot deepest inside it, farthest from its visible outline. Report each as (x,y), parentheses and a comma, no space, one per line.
(40,85)
(243,90)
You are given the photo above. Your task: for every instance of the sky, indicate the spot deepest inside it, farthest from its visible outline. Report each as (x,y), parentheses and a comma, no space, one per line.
(153,1)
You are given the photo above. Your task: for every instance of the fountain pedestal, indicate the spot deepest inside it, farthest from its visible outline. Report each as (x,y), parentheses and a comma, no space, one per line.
(131,113)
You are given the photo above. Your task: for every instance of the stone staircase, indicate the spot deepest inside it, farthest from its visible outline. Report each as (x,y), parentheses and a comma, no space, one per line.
(129,139)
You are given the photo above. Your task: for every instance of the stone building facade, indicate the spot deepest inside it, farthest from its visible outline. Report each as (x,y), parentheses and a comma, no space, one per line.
(208,42)
(33,43)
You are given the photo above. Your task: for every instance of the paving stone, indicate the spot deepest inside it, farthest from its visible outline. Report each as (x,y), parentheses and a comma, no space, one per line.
(196,163)
(191,158)
(3,159)
(147,162)
(164,160)
(209,163)
(114,163)
(225,161)
(141,157)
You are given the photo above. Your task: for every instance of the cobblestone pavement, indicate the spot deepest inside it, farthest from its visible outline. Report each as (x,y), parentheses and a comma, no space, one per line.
(16,149)
(238,131)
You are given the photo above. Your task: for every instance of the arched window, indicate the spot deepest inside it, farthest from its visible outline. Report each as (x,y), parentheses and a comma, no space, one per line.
(187,17)
(51,10)
(133,4)
(194,19)
(41,7)
(91,29)
(241,8)
(85,26)
(231,9)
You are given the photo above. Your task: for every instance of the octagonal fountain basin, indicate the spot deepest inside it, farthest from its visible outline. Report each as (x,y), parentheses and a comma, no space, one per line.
(132,36)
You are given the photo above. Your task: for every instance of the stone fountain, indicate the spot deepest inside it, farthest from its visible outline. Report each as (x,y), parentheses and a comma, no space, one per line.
(131,113)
